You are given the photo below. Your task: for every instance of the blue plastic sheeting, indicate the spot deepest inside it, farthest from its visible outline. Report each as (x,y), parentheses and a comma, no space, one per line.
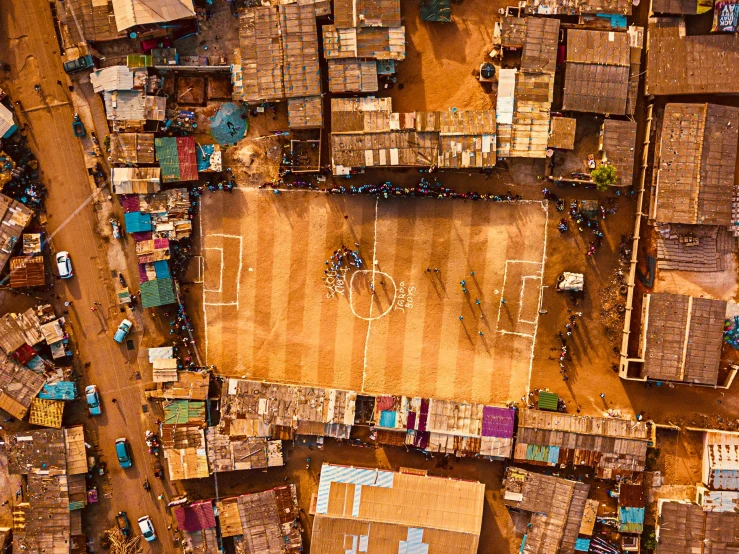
(387,419)
(617,21)
(414,544)
(136,222)
(62,390)
(357,476)
(582,545)
(553,457)
(161,268)
(229,125)
(630,520)
(204,152)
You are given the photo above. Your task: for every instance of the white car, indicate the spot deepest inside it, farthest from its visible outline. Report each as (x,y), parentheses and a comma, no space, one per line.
(147,528)
(64,265)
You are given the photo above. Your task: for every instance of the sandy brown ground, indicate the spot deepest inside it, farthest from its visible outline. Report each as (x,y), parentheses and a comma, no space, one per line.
(272,314)
(443,59)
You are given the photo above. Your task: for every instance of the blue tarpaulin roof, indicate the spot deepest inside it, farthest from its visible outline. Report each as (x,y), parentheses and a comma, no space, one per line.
(136,222)
(204,152)
(62,390)
(630,520)
(229,124)
(582,545)
(387,419)
(161,268)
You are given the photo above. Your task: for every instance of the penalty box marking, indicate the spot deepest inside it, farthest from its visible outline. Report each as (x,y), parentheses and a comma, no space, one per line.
(520,302)
(502,293)
(223,264)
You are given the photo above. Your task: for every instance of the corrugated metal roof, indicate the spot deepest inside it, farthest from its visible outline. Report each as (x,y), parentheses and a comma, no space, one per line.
(497,422)
(137,222)
(196,516)
(157,292)
(184,411)
(61,390)
(548,401)
(630,520)
(177,158)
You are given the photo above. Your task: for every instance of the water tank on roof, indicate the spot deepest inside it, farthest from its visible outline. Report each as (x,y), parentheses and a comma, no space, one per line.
(487,71)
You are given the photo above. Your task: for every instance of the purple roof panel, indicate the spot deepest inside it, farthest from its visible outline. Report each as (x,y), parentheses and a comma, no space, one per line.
(497,422)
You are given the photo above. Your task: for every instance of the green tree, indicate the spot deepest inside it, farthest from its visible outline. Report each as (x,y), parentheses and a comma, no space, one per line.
(603,176)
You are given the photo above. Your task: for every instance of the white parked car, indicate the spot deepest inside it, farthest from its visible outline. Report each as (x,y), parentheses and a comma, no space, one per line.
(147,528)
(64,265)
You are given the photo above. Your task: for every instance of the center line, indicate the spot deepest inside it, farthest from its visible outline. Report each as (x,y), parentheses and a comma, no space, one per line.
(369,323)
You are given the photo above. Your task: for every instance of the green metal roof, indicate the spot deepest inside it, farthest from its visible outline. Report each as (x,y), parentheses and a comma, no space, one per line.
(548,401)
(157,292)
(184,411)
(439,11)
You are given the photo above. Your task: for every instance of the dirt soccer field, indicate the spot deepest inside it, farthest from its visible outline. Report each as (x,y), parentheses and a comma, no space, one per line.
(271,312)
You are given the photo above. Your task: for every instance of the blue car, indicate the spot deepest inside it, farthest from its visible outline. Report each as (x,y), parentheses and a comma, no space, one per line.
(123,453)
(123,330)
(93,400)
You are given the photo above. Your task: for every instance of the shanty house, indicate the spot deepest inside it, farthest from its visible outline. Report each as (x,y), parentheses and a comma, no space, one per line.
(132,148)
(198,524)
(305,113)
(613,446)
(720,469)
(577,7)
(556,507)
(177,158)
(278,53)
(184,450)
(683,527)
(617,147)
(132,13)
(681,338)
(135,180)
(14,217)
(18,387)
(684,63)
(598,70)
(391,511)
(54,463)
(696,165)
(263,522)
(525,95)
(7,123)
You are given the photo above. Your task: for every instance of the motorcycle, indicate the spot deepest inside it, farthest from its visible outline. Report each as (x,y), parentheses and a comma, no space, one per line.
(116,228)
(147,486)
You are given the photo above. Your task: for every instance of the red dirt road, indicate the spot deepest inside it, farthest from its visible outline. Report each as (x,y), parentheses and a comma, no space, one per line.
(272,313)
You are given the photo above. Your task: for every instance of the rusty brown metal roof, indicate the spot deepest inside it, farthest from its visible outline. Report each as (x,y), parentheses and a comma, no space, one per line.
(696,164)
(683,338)
(696,64)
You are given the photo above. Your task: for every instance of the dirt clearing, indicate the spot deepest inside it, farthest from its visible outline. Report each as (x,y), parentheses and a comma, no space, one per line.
(274,309)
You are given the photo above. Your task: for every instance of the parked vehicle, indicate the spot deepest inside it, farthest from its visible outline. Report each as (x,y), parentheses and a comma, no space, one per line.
(78,127)
(93,400)
(124,526)
(64,265)
(147,528)
(116,228)
(123,329)
(123,453)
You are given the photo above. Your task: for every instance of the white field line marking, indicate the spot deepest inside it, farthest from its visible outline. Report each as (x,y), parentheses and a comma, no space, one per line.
(220,278)
(520,302)
(515,333)
(369,322)
(238,274)
(201,271)
(205,310)
(505,277)
(351,296)
(545,206)
(221,304)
